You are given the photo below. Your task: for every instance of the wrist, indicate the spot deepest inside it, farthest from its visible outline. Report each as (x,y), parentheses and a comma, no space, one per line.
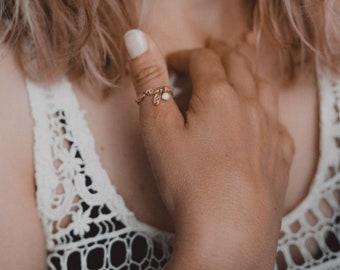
(206,248)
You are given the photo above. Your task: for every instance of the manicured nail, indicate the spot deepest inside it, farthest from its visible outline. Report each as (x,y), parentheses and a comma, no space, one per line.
(135,42)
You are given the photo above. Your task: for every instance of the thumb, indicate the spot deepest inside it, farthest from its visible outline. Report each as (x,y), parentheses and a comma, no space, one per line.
(149,71)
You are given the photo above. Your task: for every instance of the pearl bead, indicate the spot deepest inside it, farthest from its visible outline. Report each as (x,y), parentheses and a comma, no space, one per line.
(166,96)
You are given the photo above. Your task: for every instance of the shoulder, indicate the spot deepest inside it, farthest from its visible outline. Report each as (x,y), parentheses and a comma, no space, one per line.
(16,133)
(20,226)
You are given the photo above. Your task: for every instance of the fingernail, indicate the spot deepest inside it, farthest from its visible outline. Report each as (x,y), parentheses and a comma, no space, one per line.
(135,42)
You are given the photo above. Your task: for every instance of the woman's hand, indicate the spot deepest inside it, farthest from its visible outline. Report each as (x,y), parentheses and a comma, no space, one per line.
(222,171)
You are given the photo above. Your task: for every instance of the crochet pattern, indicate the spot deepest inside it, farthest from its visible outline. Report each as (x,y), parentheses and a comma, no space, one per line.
(310,235)
(86,222)
(88,226)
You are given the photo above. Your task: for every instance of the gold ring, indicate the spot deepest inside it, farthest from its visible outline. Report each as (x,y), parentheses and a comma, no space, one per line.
(159,93)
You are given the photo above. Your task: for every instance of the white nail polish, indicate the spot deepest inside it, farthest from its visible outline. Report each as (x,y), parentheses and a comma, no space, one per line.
(135,42)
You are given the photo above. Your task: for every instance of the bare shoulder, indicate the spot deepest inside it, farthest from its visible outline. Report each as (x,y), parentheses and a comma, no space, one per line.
(15,118)
(20,227)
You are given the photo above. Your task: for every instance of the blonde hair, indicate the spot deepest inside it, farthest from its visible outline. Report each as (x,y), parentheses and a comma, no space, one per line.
(303,30)
(84,39)
(79,39)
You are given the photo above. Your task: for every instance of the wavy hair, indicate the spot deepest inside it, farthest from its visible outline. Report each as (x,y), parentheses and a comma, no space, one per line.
(84,39)
(79,39)
(303,30)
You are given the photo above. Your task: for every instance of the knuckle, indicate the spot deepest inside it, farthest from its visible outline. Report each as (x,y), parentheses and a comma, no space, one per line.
(147,74)
(202,54)
(234,58)
(218,47)
(216,89)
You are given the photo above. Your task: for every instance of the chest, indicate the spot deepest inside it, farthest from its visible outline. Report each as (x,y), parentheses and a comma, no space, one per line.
(115,127)
(299,112)
(72,184)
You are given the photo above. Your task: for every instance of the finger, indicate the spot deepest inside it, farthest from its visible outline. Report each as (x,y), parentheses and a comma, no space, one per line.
(148,70)
(206,71)
(197,62)
(238,69)
(218,47)
(268,98)
(204,67)
(179,61)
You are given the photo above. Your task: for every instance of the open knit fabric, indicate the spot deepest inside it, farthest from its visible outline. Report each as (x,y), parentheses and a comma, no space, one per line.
(88,226)
(310,235)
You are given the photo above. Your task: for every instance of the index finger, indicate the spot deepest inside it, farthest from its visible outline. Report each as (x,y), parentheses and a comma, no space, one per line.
(204,67)
(237,67)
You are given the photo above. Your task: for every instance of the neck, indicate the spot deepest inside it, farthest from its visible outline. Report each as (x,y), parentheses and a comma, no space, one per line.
(179,24)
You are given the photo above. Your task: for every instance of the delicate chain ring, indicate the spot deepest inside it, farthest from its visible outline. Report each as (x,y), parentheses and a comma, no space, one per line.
(159,93)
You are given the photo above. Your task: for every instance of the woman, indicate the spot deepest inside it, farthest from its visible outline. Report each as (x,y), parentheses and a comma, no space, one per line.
(233,149)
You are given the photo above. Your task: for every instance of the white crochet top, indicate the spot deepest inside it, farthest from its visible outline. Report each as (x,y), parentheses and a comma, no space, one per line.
(88,226)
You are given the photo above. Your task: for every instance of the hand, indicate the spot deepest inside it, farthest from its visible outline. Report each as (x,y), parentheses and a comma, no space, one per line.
(222,172)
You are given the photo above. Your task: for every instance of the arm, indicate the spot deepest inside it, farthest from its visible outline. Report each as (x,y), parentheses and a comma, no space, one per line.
(22,244)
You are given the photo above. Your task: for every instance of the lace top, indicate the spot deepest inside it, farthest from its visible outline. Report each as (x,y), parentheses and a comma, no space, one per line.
(88,226)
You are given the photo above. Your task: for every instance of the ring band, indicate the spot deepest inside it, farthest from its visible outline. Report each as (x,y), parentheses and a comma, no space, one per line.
(159,93)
